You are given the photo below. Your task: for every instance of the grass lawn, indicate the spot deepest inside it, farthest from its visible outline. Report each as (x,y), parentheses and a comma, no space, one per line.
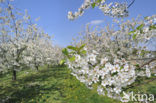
(55,85)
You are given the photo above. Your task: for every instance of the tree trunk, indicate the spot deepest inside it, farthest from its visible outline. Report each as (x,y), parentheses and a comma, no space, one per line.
(37,68)
(13,75)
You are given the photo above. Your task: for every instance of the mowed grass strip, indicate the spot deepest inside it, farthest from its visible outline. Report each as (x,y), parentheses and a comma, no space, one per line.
(53,85)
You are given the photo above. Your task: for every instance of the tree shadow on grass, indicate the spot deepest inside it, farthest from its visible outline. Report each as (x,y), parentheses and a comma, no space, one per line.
(31,86)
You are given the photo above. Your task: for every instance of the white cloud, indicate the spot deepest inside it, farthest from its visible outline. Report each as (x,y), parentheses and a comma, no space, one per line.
(96,22)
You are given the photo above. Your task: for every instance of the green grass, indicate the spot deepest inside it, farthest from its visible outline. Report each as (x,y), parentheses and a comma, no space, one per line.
(53,85)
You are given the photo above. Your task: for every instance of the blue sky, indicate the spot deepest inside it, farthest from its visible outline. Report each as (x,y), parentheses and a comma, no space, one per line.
(54,21)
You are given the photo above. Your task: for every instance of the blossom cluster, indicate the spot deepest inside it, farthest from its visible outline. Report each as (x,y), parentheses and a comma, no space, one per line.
(115,58)
(111,9)
(148,28)
(109,76)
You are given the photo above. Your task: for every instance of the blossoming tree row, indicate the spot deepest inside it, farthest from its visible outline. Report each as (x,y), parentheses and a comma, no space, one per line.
(22,43)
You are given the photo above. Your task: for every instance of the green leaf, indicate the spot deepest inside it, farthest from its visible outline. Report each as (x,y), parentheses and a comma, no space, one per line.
(72,48)
(146,17)
(141,31)
(142,52)
(93,5)
(72,58)
(72,52)
(114,73)
(152,27)
(134,36)
(121,67)
(83,52)
(98,1)
(131,32)
(62,62)
(65,51)
(137,65)
(81,47)
(140,27)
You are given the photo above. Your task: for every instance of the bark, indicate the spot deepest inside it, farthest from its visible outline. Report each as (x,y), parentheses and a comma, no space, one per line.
(13,75)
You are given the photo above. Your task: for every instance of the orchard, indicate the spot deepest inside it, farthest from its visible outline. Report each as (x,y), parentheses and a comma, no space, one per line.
(104,64)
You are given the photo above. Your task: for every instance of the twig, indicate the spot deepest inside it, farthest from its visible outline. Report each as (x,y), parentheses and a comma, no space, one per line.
(142,59)
(131,4)
(141,83)
(148,62)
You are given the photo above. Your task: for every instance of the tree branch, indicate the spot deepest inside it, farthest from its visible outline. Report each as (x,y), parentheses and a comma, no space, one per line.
(139,84)
(131,4)
(148,62)
(142,59)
